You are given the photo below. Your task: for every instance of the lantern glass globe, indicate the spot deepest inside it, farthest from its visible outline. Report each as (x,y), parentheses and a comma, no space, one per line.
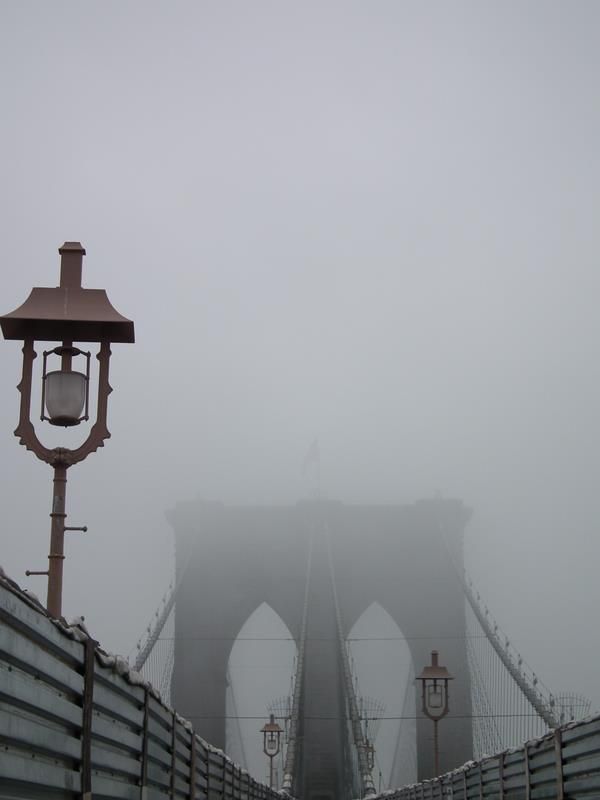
(435,697)
(65,397)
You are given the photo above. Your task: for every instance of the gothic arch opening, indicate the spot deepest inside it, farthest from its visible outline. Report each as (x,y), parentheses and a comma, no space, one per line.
(383,668)
(260,671)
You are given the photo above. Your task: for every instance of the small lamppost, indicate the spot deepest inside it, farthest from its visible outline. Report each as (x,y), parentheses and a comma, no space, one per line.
(370,753)
(271,743)
(369,747)
(434,683)
(64,314)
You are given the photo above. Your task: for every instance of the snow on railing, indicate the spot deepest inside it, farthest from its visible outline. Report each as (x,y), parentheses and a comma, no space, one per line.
(564,763)
(77,720)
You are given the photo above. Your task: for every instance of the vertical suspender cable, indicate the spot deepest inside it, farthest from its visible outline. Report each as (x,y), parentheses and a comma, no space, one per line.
(542,705)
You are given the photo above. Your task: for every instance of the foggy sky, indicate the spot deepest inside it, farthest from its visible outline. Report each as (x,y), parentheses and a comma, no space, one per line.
(371,223)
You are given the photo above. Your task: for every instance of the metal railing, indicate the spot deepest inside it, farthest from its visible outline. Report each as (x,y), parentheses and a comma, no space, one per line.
(562,765)
(75,721)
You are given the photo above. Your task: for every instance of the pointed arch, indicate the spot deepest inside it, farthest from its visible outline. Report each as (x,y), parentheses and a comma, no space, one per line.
(382,661)
(260,669)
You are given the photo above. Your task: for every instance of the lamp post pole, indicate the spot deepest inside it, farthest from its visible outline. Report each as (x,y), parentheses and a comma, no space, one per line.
(56,555)
(71,269)
(436,748)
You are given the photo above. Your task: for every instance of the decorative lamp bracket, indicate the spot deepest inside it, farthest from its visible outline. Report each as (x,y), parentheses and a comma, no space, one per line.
(99,432)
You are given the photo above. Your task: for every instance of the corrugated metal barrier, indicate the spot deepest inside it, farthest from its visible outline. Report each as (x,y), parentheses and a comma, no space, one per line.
(75,722)
(563,765)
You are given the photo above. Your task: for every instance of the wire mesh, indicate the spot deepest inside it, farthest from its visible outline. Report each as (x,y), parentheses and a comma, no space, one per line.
(502,714)
(158,667)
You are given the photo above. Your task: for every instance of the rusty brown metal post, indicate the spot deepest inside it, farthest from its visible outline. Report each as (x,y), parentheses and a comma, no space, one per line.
(57,541)
(86,719)
(436,748)
(560,780)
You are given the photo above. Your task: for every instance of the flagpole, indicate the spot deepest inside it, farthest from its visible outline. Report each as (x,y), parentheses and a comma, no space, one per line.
(313,460)
(319,477)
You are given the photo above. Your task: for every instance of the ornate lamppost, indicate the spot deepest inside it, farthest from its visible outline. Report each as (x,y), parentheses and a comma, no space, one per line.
(434,684)
(64,314)
(370,753)
(369,746)
(271,743)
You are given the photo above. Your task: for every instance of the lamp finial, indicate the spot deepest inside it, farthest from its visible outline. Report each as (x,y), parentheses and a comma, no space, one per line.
(71,260)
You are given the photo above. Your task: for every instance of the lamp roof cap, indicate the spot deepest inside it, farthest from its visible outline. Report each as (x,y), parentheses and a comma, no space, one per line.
(72,247)
(68,312)
(434,672)
(271,726)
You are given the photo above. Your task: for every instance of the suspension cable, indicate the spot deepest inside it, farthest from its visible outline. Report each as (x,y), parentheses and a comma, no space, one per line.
(154,632)
(544,707)
(366,778)
(294,734)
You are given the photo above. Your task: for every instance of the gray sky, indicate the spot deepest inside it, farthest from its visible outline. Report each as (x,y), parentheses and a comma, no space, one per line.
(375,223)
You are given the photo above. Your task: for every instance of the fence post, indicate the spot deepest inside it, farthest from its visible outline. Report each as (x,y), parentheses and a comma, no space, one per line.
(207,773)
(560,783)
(193,767)
(86,718)
(527,772)
(144,764)
(173,752)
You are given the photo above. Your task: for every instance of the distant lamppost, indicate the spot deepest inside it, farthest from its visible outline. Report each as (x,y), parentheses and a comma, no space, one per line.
(64,314)
(370,753)
(368,745)
(434,684)
(271,743)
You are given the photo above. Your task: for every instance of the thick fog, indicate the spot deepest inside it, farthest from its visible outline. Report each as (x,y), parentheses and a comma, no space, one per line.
(374,224)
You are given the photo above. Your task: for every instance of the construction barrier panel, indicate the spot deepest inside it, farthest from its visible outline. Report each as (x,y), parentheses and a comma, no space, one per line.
(76,721)
(562,765)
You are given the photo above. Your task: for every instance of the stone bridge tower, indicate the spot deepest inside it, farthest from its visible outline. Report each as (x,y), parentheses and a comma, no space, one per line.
(406,558)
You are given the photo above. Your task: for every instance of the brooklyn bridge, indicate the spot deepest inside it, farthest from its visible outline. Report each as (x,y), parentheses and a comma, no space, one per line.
(475,721)
(77,721)
(319,565)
